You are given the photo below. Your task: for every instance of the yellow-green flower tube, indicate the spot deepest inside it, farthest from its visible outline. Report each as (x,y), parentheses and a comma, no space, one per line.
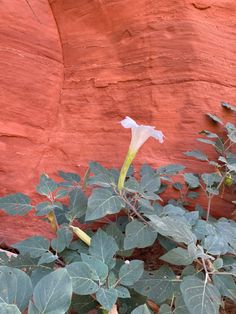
(82,235)
(128,160)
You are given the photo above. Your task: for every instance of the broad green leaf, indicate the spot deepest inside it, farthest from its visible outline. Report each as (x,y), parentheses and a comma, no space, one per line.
(170,169)
(69,176)
(177,186)
(46,186)
(138,234)
(63,239)
(101,179)
(132,185)
(53,293)
(208,134)
(199,296)
(174,227)
(157,285)
(215,245)
(82,278)
(35,246)
(165,309)
(39,273)
(24,262)
(206,141)
(196,154)
(33,309)
(83,304)
(218,263)
(97,265)
(15,287)
(106,297)
(116,234)
(214,118)
(150,182)
(122,292)
(103,202)
(103,246)
(15,204)
(131,272)
(232,136)
(141,309)
(9,309)
(180,307)
(211,178)
(226,285)
(47,258)
(228,106)
(78,204)
(147,169)
(192,180)
(44,208)
(177,256)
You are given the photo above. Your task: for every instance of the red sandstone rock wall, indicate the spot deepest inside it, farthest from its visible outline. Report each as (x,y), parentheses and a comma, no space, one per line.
(65,83)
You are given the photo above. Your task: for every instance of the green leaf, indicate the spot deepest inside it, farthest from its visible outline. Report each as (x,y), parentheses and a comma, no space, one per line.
(150,182)
(211,178)
(192,195)
(177,186)
(46,186)
(63,240)
(69,176)
(15,287)
(206,141)
(83,304)
(165,309)
(47,258)
(170,169)
(82,278)
(9,309)
(226,285)
(141,309)
(103,246)
(53,293)
(174,227)
(78,204)
(214,118)
(177,256)
(103,202)
(44,208)
(232,136)
(97,265)
(218,263)
(196,154)
(228,106)
(101,179)
(131,272)
(106,297)
(138,234)
(122,292)
(200,296)
(23,262)
(34,246)
(208,134)
(39,273)
(15,204)
(157,285)
(191,180)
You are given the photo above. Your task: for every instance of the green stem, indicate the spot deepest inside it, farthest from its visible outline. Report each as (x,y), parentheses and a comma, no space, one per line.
(128,160)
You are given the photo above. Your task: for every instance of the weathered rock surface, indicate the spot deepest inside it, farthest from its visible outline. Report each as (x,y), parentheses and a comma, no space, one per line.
(65,83)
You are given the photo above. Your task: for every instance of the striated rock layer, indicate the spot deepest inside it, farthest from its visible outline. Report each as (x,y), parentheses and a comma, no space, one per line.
(70,70)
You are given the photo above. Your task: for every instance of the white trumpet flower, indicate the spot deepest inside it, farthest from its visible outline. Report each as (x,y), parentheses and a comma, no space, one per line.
(140,134)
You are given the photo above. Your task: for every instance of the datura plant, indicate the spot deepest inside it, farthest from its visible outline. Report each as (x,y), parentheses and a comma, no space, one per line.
(188,268)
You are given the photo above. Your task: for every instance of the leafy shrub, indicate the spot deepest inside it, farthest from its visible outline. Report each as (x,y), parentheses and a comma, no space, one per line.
(98,270)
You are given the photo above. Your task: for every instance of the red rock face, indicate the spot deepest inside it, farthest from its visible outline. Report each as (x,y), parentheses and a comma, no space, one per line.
(70,72)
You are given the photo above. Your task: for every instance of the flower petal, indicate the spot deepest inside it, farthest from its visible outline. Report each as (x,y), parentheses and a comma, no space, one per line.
(158,135)
(128,123)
